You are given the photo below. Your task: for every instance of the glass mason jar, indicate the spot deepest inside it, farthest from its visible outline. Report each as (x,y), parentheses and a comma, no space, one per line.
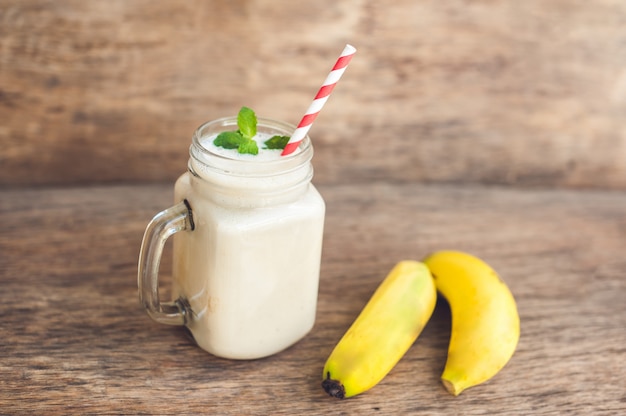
(247,248)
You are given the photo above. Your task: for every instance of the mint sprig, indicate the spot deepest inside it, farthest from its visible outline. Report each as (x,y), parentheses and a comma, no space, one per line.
(243,139)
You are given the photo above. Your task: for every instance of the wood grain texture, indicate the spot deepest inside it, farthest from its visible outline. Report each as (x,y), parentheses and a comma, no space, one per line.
(74,339)
(526,93)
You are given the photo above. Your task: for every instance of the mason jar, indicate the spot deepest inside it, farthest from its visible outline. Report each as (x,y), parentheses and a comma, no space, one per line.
(247,247)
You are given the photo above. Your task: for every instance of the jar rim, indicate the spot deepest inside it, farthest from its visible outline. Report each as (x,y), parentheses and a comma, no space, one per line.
(248,167)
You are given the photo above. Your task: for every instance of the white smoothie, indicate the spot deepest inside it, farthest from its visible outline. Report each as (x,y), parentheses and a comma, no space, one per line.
(250,268)
(260,139)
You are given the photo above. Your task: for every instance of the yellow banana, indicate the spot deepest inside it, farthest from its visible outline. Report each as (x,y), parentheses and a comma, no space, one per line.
(382,333)
(485,322)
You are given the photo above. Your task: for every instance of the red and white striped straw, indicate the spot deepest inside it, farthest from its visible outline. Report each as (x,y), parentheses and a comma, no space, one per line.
(319,100)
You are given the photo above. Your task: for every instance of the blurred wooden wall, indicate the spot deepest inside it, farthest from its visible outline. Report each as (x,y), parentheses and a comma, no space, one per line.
(525,93)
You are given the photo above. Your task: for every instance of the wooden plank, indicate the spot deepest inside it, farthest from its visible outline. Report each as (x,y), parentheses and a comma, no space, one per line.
(74,339)
(526,93)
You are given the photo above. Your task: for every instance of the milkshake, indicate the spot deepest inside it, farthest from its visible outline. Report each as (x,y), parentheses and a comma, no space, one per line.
(246,277)
(247,229)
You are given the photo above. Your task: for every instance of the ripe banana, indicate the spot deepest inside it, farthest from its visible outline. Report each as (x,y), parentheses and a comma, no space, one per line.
(382,333)
(485,322)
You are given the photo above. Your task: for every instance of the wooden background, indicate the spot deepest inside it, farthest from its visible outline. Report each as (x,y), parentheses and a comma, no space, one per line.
(493,127)
(529,93)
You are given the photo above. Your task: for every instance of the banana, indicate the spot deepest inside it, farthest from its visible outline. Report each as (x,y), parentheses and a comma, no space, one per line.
(485,322)
(383,332)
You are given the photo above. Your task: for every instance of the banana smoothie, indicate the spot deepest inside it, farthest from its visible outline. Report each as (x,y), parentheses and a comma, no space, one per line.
(248,272)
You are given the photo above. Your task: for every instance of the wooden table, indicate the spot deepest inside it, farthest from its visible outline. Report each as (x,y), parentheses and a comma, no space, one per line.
(74,339)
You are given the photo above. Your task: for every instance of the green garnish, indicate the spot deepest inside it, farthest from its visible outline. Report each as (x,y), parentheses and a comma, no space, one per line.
(249,146)
(242,139)
(276,142)
(229,140)
(246,121)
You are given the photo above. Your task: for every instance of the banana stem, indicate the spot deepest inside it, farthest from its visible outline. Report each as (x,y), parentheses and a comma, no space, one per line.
(333,387)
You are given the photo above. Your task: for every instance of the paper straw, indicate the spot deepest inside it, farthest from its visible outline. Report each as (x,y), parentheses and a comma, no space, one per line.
(319,100)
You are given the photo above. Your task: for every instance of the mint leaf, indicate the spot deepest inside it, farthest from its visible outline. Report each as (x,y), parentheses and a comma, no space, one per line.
(242,139)
(276,142)
(246,120)
(248,146)
(229,140)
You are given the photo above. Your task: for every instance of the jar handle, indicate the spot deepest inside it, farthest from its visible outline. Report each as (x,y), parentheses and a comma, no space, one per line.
(163,225)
